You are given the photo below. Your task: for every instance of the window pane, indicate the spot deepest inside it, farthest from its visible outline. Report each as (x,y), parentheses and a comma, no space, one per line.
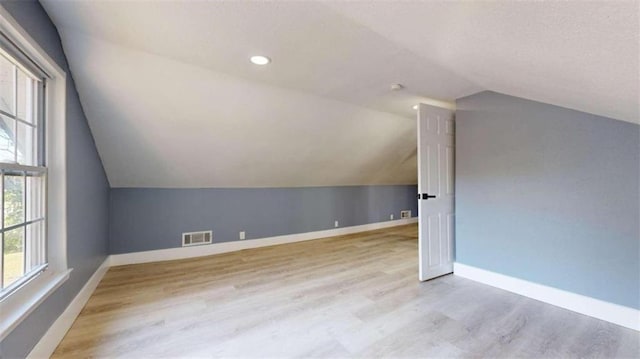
(13,197)
(13,256)
(7,139)
(35,248)
(26,145)
(35,197)
(7,89)
(25,97)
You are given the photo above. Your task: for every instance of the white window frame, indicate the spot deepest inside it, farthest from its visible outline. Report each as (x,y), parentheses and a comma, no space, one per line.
(17,306)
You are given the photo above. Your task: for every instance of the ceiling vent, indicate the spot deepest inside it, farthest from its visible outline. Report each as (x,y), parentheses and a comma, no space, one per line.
(196,238)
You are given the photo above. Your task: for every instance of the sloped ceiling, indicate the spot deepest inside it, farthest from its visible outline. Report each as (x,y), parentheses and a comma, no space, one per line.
(172,100)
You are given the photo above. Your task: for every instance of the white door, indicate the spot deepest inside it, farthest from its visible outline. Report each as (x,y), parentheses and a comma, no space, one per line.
(435,191)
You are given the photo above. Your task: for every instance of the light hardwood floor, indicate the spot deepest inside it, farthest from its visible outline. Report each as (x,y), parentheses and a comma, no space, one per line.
(348,296)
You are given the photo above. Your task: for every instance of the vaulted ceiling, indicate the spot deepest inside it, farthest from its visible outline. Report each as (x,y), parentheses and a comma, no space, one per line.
(173,101)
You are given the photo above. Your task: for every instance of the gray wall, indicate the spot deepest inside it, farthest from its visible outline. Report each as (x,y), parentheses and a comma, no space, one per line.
(87,188)
(146,219)
(549,195)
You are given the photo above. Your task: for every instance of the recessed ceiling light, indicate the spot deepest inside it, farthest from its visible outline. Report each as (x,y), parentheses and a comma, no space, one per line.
(415,107)
(260,60)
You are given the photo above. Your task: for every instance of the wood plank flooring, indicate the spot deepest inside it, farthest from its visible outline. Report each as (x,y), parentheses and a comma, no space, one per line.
(348,296)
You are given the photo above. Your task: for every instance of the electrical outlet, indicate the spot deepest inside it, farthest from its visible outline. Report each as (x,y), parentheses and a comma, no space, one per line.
(336,224)
(242,235)
(391,217)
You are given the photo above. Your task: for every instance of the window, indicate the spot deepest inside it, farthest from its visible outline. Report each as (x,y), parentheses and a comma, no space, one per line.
(33,175)
(22,175)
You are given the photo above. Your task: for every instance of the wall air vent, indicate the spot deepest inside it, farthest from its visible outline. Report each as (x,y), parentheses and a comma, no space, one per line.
(196,238)
(405,214)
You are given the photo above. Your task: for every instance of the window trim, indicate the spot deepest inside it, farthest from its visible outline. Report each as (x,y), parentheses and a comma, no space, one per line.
(27,298)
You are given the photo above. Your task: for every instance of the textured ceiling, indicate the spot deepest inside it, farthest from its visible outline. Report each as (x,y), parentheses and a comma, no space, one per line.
(582,55)
(173,102)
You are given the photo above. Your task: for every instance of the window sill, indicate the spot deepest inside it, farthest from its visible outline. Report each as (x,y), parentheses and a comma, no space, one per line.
(16,307)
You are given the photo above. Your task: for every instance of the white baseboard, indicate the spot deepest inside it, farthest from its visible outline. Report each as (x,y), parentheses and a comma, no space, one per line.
(217,248)
(617,314)
(50,340)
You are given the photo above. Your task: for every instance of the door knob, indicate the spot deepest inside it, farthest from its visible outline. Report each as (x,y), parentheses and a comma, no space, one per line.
(427,196)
